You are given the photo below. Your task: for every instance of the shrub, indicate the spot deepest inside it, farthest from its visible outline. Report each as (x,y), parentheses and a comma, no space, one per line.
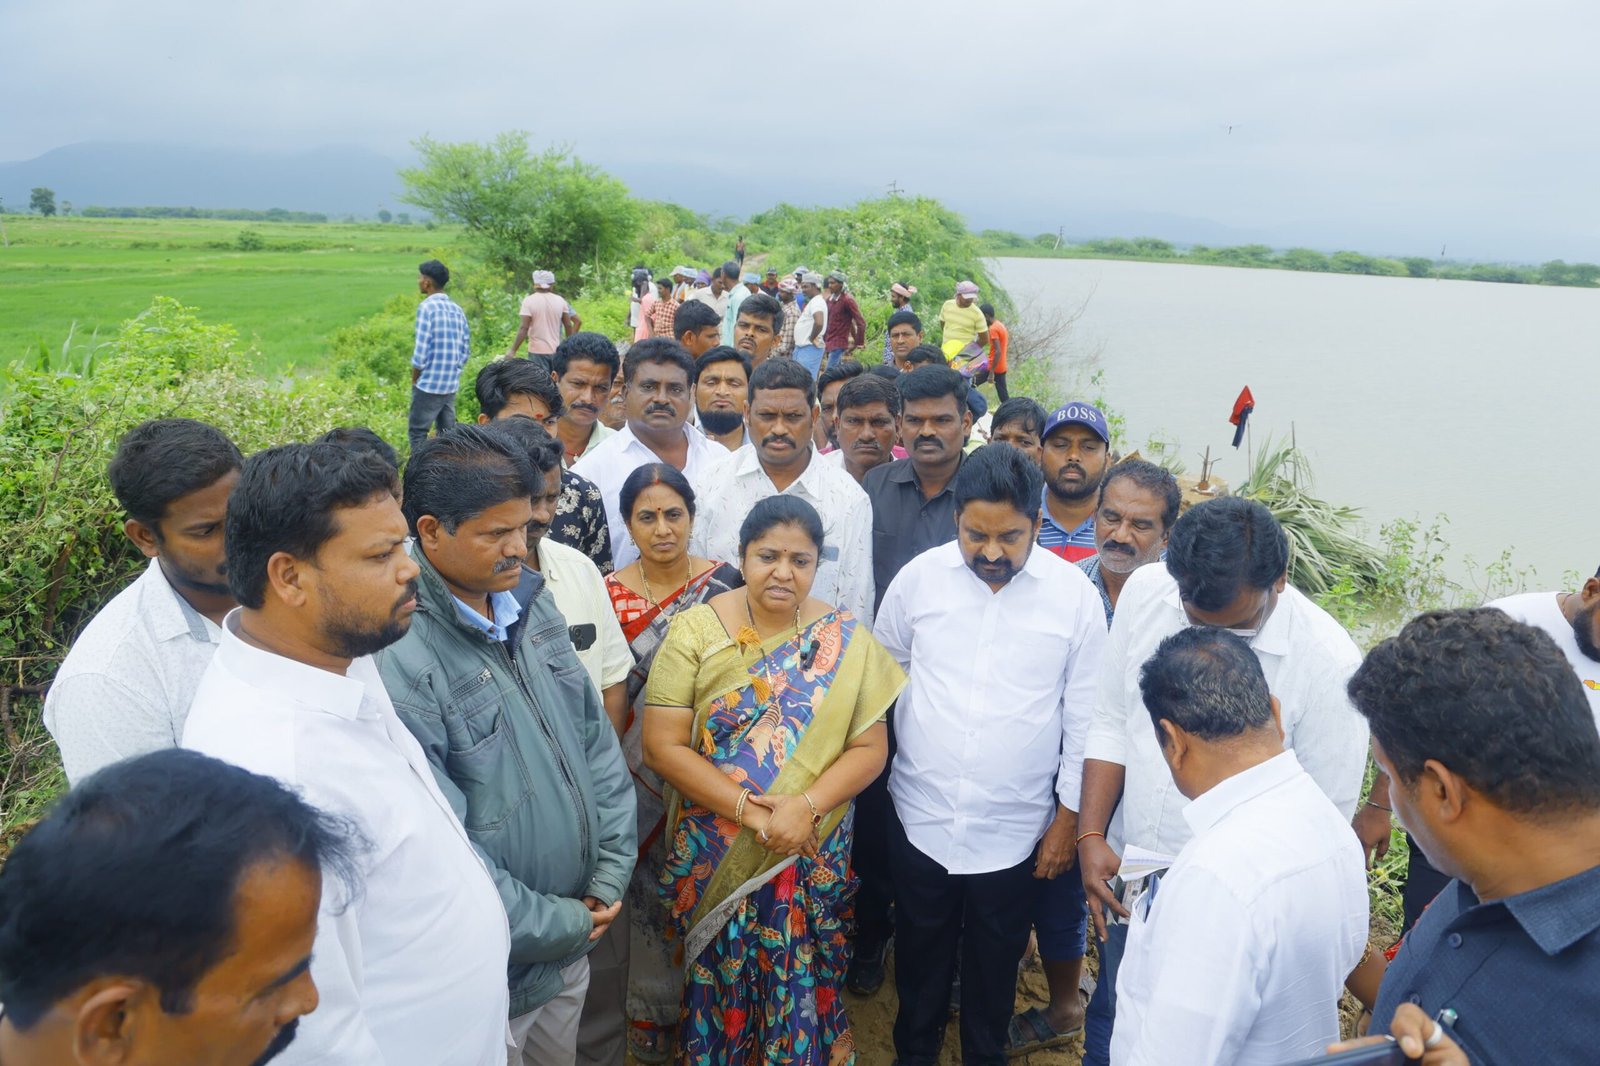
(249,240)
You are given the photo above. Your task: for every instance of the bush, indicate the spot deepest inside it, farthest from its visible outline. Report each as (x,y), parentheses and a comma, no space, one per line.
(249,240)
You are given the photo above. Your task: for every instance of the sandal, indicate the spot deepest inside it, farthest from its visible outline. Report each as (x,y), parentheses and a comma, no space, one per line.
(649,1043)
(1031,1031)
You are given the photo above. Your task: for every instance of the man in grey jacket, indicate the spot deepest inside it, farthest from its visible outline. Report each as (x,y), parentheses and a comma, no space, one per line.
(488,682)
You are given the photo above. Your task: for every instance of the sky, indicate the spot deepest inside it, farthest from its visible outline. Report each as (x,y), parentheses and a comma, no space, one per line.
(1396,128)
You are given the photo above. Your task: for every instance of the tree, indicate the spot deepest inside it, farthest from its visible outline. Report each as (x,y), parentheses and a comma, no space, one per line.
(42,200)
(66,207)
(383,215)
(1417,266)
(551,210)
(403,218)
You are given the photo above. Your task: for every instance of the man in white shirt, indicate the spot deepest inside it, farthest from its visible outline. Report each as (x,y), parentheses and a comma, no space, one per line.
(657,395)
(1238,953)
(1226,565)
(413,969)
(1002,643)
(126,685)
(781,459)
(1573,621)
(717,294)
(811,326)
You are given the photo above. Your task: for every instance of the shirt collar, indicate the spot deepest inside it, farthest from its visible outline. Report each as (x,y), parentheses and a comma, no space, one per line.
(170,614)
(1208,809)
(904,471)
(1558,915)
(748,461)
(506,612)
(309,686)
(697,441)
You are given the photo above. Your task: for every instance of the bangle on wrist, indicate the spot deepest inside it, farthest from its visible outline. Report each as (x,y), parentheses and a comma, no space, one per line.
(738,808)
(1085,836)
(1381,807)
(816,818)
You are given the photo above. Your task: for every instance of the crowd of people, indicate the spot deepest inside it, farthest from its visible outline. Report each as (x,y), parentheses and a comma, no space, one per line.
(693,685)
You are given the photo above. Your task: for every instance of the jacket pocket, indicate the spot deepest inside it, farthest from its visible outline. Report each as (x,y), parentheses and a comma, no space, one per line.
(484,762)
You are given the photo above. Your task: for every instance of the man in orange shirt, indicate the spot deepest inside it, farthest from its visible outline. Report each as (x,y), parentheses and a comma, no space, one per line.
(999,342)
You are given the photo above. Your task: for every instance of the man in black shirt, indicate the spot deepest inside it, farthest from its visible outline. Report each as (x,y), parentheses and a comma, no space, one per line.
(1494,762)
(913,510)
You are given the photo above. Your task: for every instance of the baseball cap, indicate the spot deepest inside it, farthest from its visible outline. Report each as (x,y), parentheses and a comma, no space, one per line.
(1084,414)
(967,288)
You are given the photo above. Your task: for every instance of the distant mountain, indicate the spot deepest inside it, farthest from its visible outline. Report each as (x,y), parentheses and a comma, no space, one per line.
(337,180)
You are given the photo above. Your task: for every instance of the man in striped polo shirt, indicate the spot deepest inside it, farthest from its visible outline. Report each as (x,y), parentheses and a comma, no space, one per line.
(1076,447)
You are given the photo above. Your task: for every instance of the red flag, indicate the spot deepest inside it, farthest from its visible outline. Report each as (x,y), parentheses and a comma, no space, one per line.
(1241,413)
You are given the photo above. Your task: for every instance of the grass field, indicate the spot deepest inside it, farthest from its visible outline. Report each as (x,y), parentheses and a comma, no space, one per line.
(76,276)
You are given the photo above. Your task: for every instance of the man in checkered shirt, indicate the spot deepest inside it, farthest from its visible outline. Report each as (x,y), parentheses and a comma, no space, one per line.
(443,344)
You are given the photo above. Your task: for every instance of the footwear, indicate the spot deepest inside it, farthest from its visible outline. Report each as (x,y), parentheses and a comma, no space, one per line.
(1031,1031)
(866,972)
(649,1043)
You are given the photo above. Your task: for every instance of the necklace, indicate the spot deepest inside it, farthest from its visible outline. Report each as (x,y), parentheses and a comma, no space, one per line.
(688,576)
(748,635)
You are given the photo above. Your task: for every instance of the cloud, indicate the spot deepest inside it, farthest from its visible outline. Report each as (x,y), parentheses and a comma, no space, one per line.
(1464,118)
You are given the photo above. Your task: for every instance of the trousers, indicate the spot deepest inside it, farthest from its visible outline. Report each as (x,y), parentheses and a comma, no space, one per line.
(603,1026)
(429,409)
(1102,1011)
(548,1034)
(978,922)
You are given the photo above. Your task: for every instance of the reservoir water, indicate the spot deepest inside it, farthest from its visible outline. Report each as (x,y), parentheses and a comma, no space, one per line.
(1412,397)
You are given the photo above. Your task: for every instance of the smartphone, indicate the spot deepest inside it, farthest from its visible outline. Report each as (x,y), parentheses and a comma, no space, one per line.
(1387,1053)
(582,636)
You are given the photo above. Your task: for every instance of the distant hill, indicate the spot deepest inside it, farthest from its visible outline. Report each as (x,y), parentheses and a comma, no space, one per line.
(337,180)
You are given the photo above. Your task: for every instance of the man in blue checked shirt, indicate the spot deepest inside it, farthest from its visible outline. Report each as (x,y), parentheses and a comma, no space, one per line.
(443,344)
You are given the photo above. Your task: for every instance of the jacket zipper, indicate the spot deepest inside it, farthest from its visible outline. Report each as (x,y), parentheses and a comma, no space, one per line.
(555,747)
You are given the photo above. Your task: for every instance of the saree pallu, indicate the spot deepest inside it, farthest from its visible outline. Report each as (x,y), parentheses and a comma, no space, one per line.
(765,936)
(655,981)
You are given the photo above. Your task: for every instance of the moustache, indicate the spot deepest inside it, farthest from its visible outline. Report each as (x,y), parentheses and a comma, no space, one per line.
(505,566)
(282,1040)
(1113,546)
(409,595)
(776,438)
(660,409)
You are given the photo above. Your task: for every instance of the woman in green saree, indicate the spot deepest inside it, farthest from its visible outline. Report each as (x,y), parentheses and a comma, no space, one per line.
(764,716)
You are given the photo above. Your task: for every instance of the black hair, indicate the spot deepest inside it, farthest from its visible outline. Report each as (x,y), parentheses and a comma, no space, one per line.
(654,474)
(463,472)
(1154,479)
(774,511)
(760,305)
(501,379)
(1206,681)
(843,370)
(1021,409)
(665,282)
(887,371)
(164,459)
(435,272)
(926,355)
(285,502)
(543,450)
(721,354)
(135,873)
(1221,547)
(658,350)
(783,374)
(692,316)
(1000,474)
(864,391)
(932,383)
(591,347)
(362,439)
(1494,700)
(904,317)
(986,310)
(730,269)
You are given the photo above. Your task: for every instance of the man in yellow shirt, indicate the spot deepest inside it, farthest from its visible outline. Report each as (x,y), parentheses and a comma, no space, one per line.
(961,322)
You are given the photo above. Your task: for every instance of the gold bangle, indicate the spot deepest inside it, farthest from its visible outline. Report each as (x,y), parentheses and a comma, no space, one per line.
(738,808)
(816,819)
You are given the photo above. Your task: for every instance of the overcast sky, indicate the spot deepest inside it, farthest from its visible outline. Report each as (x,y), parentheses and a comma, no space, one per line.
(1418,124)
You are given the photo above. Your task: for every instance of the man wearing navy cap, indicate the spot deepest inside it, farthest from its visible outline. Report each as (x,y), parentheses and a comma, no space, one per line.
(1076,446)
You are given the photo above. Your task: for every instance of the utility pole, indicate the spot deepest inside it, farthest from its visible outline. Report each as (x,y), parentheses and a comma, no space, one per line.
(894,188)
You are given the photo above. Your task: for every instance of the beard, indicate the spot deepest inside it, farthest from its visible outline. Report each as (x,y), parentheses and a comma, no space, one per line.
(211,583)
(720,422)
(1090,486)
(1120,558)
(1583,633)
(997,573)
(281,1041)
(350,636)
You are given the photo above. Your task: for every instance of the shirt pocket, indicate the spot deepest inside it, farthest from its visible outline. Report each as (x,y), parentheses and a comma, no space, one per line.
(483,759)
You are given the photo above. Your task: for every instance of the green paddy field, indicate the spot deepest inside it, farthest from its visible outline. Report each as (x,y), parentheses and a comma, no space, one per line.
(74,277)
